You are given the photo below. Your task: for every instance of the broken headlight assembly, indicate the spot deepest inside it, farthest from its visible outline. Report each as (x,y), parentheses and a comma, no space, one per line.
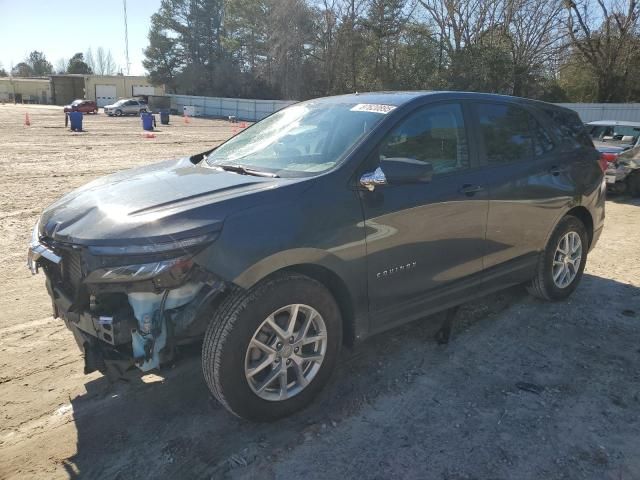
(178,267)
(136,263)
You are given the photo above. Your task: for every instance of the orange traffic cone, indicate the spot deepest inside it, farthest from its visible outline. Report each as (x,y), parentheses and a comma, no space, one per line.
(27,122)
(243,125)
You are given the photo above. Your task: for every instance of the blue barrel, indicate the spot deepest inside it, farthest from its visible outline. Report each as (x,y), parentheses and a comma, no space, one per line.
(164,117)
(75,119)
(148,121)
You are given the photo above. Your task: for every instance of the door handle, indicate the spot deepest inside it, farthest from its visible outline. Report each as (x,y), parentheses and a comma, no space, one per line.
(555,171)
(470,190)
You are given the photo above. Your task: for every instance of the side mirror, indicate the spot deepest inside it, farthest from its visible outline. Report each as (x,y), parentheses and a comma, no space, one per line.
(397,171)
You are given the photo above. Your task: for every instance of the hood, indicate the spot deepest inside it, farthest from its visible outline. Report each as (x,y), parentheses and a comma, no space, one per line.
(159,203)
(608,147)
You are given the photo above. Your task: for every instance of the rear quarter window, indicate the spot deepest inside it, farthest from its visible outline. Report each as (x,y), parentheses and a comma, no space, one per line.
(568,127)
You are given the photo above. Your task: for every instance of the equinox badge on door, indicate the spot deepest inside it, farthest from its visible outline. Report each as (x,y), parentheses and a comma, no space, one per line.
(390,271)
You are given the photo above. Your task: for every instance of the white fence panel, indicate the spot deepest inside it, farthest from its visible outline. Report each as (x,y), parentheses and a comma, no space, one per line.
(254,110)
(590,112)
(241,108)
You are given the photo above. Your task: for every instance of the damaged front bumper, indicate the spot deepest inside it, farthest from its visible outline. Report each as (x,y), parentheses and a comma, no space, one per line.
(121,324)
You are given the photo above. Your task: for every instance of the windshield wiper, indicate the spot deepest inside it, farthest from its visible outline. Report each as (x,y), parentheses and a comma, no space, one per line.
(246,171)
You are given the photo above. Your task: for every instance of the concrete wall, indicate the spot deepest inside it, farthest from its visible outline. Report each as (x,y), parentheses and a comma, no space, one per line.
(27,90)
(242,109)
(124,85)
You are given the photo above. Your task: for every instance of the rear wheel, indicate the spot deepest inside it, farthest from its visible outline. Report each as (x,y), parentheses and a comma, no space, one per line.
(269,350)
(562,262)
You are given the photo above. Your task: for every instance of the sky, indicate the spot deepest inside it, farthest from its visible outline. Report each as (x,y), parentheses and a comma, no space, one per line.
(61,28)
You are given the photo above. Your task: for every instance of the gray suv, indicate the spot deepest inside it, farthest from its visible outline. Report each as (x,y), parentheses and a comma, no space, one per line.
(325,223)
(129,106)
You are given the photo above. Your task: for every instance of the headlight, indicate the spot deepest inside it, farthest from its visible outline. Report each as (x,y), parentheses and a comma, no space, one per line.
(177,267)
(179,246)
(35,234)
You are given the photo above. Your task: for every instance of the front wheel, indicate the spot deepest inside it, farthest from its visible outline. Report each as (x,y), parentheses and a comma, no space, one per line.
(118,113)
(269,350)
(562,262)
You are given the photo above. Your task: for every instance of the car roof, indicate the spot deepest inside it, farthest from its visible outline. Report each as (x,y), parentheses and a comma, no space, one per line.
(403,97)
(622,123)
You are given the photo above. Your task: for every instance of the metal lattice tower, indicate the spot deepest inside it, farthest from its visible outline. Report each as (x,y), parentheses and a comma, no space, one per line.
(126,37)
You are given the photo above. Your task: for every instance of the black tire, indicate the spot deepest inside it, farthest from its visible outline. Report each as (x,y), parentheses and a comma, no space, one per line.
(233,325)
(542,285)
(633,183)
(118,113)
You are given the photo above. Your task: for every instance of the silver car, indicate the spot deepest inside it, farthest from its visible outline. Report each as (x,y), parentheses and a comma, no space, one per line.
(619,145)
(126,106)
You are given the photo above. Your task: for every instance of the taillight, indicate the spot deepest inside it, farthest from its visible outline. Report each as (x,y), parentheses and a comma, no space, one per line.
(606,158)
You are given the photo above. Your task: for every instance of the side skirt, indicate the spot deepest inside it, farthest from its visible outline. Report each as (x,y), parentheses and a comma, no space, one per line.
(484,283)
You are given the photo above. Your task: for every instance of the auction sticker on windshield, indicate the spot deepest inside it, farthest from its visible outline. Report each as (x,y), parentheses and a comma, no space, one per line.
(373,107)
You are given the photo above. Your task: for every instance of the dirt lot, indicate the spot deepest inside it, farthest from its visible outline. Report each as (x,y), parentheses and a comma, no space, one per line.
(399,406)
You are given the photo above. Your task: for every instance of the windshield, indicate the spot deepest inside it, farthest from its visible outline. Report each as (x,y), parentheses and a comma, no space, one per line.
(620,134)
(302,140)
(76,102)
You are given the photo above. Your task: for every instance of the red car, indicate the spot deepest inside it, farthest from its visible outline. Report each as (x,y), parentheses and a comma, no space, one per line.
(84,106)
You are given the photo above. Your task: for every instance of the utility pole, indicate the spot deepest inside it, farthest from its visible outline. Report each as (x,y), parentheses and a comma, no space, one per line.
(126,37)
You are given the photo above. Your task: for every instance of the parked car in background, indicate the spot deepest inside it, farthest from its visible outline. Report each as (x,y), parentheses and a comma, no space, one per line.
(613,133)
(619,145)
(84,106)
(623,171)
(126,106)
(327,222)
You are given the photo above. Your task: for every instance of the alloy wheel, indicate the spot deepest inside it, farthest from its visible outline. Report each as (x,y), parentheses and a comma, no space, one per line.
(566,260)
(286,352)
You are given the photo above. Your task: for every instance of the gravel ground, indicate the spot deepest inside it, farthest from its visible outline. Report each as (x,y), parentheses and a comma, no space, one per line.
(525,390)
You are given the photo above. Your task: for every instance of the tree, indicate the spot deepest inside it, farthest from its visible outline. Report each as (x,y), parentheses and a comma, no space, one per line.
(3,72)
(163,58)
(384,25)
(61,66)
(535,37)
(89,60)
(78,65)
(195,32)
(605,36)
(289,36)
(39,64)
(22,69)
(245,42)
(297,49)
(104,64)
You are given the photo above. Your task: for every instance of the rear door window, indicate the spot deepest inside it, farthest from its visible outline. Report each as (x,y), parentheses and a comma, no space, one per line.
(542,141)
(505,131)
(568,127)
